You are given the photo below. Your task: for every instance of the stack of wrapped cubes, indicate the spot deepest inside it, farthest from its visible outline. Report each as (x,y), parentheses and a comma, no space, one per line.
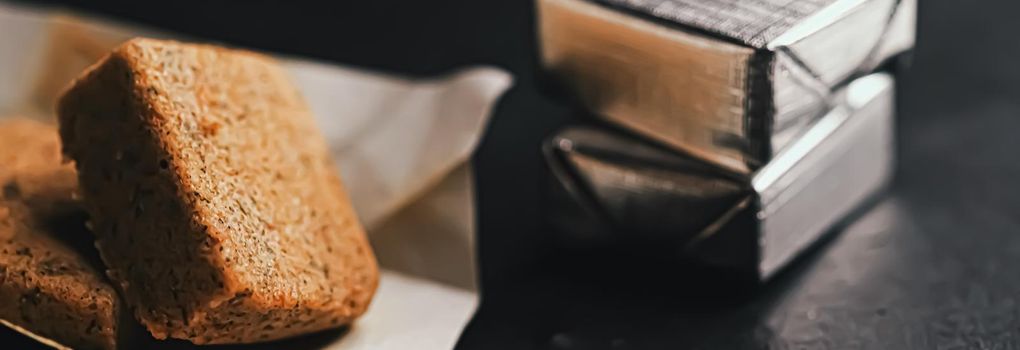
(731,133)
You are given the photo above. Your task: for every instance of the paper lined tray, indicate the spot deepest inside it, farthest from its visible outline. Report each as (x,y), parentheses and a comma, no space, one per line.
(402,146)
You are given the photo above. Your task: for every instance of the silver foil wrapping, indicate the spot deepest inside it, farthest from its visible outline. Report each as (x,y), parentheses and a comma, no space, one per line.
(730,82)
(617,190)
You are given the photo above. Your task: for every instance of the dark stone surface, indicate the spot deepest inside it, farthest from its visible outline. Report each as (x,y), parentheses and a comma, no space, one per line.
(928,266)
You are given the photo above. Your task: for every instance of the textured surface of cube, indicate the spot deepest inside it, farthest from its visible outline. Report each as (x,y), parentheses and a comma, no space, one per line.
(731,82)
(213,196)
(51,282)
(615,190)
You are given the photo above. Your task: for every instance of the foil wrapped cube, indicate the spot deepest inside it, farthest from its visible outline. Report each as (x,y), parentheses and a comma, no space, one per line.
(613,189)
(731,82)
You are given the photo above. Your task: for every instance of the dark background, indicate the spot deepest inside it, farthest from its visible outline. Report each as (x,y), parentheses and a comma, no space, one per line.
(929,266)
